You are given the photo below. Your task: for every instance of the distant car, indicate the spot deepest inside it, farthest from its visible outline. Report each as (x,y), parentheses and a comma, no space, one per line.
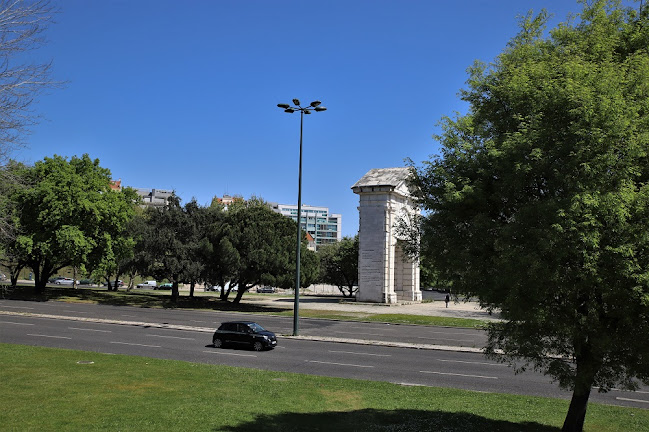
(266,289)
(54,279)
(244,333)
(118,282)
(64,281)
(86,282)
(166,285)
(148,284)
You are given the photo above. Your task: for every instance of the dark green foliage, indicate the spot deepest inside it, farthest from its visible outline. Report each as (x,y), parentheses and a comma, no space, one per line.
(339,265)
(539,203)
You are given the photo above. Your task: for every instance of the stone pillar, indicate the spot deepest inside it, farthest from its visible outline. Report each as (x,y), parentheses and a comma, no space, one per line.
(385,273)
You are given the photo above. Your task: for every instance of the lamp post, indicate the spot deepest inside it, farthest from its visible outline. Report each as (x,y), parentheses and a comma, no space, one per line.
(313,106)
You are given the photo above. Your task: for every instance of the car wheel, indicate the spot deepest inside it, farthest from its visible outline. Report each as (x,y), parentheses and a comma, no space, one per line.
(218,343)
(257,346)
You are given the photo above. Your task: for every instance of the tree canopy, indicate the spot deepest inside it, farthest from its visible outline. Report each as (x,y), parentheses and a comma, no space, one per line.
(539,202)
(69,216)
(339,265)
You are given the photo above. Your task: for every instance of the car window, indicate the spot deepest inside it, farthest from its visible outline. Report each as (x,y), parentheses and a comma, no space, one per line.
(256,328)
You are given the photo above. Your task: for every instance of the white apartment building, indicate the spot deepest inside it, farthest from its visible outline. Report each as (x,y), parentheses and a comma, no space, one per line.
(323,226)
(153,197)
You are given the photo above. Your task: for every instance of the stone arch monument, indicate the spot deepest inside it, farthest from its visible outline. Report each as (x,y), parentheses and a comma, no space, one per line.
(385,273)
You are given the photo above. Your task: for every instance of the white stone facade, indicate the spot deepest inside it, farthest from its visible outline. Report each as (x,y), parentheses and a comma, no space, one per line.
(385,273)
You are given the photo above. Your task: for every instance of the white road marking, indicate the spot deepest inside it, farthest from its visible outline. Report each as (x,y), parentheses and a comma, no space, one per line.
(339,364)
(75,311)
(358,353)
(135,344)
(631,400)
(56,337)
(17,323)
(171,337)
(87,329)
(17,307)
(462,375)
(451,333)
(448,339)
(470,362)
(229,353)
(197,321)
(130,316)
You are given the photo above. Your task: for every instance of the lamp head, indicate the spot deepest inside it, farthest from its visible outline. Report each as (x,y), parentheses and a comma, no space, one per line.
(315,103)
(296,102)
(289,110)
(320,108)
(283,105)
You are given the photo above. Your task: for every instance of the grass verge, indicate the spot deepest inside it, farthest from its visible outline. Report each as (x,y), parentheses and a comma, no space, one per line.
(49,389)
(162,299)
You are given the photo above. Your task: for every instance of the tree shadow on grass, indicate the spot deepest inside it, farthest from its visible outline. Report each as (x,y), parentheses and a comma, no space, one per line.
(383,420)
(135,299)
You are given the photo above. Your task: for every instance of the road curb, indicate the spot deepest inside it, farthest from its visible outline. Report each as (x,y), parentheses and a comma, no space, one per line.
(211,330)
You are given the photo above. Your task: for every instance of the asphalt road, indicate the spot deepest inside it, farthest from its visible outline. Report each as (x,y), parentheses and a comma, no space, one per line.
(406,366)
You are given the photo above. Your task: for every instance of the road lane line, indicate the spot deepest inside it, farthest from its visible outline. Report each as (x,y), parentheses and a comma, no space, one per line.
(17,307)
(87,329)
(471,362)
(631,400)
(447,339)
(48,336)
(17,323)
(338,364)
(451,333)
(456,374)
(136,344)
(358,353)
(171,337)
(73,311)
(229,353)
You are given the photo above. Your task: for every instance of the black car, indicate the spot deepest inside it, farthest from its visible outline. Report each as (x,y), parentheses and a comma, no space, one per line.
(240,333)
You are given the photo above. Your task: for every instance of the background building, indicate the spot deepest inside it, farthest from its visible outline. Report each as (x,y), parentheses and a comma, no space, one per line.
(153,197)
(323,226)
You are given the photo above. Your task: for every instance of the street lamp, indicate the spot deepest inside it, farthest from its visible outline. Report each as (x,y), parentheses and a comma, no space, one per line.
(313,106)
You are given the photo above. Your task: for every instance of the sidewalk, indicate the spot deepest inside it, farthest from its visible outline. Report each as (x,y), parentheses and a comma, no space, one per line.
(336,303)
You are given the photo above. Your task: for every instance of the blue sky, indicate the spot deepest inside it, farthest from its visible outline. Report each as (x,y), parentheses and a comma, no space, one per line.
(182,95)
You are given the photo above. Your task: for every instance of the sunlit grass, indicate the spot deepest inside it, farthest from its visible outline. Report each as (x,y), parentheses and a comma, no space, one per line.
(45,389)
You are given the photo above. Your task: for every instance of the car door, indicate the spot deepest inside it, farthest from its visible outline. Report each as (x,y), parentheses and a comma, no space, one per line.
(244,334)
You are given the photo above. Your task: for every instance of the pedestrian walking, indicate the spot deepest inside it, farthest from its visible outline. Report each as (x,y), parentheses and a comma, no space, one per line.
(447,299)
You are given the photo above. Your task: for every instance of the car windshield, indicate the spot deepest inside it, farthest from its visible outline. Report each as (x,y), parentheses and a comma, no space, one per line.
(256,328)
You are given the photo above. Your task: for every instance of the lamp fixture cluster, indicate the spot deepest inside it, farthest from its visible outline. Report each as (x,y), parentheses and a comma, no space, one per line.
(313,106)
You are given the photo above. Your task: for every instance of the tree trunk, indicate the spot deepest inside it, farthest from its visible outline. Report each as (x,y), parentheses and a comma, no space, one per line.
(240,292)
(584,379)
(174,291)
(191,289)
(574,421)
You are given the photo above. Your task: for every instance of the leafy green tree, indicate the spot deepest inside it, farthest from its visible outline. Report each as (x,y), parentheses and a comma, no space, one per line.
(252,245)
(69,216)
(539,202)
(339,265)
(164,244)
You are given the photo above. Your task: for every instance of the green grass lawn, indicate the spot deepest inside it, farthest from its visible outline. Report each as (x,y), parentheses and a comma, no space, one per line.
(45,389)
(162,299)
